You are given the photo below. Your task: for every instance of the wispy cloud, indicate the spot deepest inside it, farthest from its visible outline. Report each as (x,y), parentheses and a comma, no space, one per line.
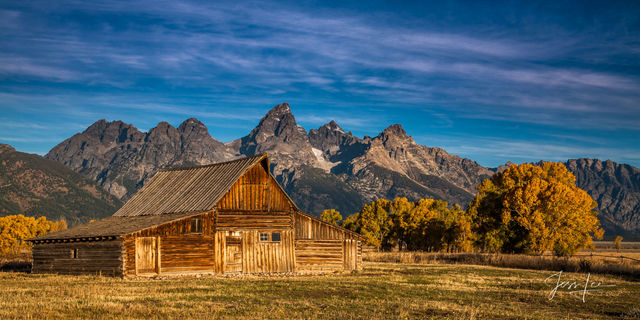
(493,151)
(38,139)
(519,64)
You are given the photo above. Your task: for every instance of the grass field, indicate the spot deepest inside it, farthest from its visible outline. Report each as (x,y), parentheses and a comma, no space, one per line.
(380,291)
(598,263)
(625,245)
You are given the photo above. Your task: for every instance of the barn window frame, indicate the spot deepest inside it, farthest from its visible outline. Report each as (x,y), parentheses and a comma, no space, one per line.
(264,236)
(276,237)
(195,225)
(73,253)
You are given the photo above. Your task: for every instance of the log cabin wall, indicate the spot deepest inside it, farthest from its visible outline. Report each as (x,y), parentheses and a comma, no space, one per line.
(319,255)
(179,250)
(255,191)
(323,247)
(92,257)
(352,254)
(313,229)
(254,205)
(268,256)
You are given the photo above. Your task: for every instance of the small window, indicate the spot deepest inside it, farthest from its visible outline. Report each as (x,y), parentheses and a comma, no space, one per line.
(264,237)
(74,253)
(275,236)
(196,225)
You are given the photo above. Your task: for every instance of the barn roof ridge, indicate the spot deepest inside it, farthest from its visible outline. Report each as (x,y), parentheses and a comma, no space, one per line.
(187,189)
(213,164)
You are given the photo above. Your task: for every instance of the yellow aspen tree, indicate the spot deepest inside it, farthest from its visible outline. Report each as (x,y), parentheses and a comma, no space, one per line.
(531,209)
(331,216)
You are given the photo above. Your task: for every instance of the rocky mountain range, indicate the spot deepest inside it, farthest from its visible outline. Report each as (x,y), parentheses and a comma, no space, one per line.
(616,189)
(322,168)
(34,186)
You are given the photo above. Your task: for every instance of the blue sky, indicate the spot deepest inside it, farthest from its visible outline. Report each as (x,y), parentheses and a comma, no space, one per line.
(495,82)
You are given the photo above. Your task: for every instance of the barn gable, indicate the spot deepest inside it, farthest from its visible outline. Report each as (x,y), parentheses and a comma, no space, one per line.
(194,189)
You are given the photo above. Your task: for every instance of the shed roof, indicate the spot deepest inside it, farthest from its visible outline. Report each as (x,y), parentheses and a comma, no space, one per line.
(187,189)
(114,226)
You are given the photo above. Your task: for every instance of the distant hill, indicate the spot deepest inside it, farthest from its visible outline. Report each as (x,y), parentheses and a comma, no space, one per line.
(326,167)
(34,186)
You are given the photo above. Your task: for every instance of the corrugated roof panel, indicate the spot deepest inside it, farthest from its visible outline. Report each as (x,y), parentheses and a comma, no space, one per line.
(115,226)
(187,189)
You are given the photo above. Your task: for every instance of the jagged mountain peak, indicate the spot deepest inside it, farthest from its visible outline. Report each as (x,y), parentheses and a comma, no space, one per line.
(162,130)
(278,124)
(193,127)
(394,135)
(108,132)
(278,134)
(279,111)
(163,125)
(333,126)
(595,163)
(278,121)
(190,123)
(101,126)
(395,130)
(332,140)
(98,125)
(330,128)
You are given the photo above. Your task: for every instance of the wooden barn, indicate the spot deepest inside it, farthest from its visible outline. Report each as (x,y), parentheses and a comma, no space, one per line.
(230,217)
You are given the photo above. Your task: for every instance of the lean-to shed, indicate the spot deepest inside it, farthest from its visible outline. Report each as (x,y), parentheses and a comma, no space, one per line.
(230,217)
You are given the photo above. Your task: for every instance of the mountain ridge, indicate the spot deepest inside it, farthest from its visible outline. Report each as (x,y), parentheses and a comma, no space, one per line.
(34,186)
(327,167)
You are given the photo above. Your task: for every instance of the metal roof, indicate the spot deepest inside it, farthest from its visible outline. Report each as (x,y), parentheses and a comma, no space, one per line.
(187,189)
(114,226)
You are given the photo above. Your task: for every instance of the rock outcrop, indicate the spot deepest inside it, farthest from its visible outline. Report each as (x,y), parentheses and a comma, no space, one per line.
(616,188)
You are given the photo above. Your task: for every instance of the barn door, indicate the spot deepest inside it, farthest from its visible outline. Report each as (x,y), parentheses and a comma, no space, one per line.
(233,254)
(146,255)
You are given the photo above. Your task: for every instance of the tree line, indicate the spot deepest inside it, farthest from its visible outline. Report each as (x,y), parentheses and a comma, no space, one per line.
(16,229)
(524,209)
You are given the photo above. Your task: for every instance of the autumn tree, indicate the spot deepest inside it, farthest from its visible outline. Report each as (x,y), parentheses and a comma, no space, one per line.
(435,226)
(372,222)
(531,209)
(331,216)
(15,229)
(426,224)
(617,242)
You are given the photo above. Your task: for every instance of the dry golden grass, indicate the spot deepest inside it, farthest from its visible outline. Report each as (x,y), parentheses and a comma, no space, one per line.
(597,263)
(603,259)
(380,291)
(626,245)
